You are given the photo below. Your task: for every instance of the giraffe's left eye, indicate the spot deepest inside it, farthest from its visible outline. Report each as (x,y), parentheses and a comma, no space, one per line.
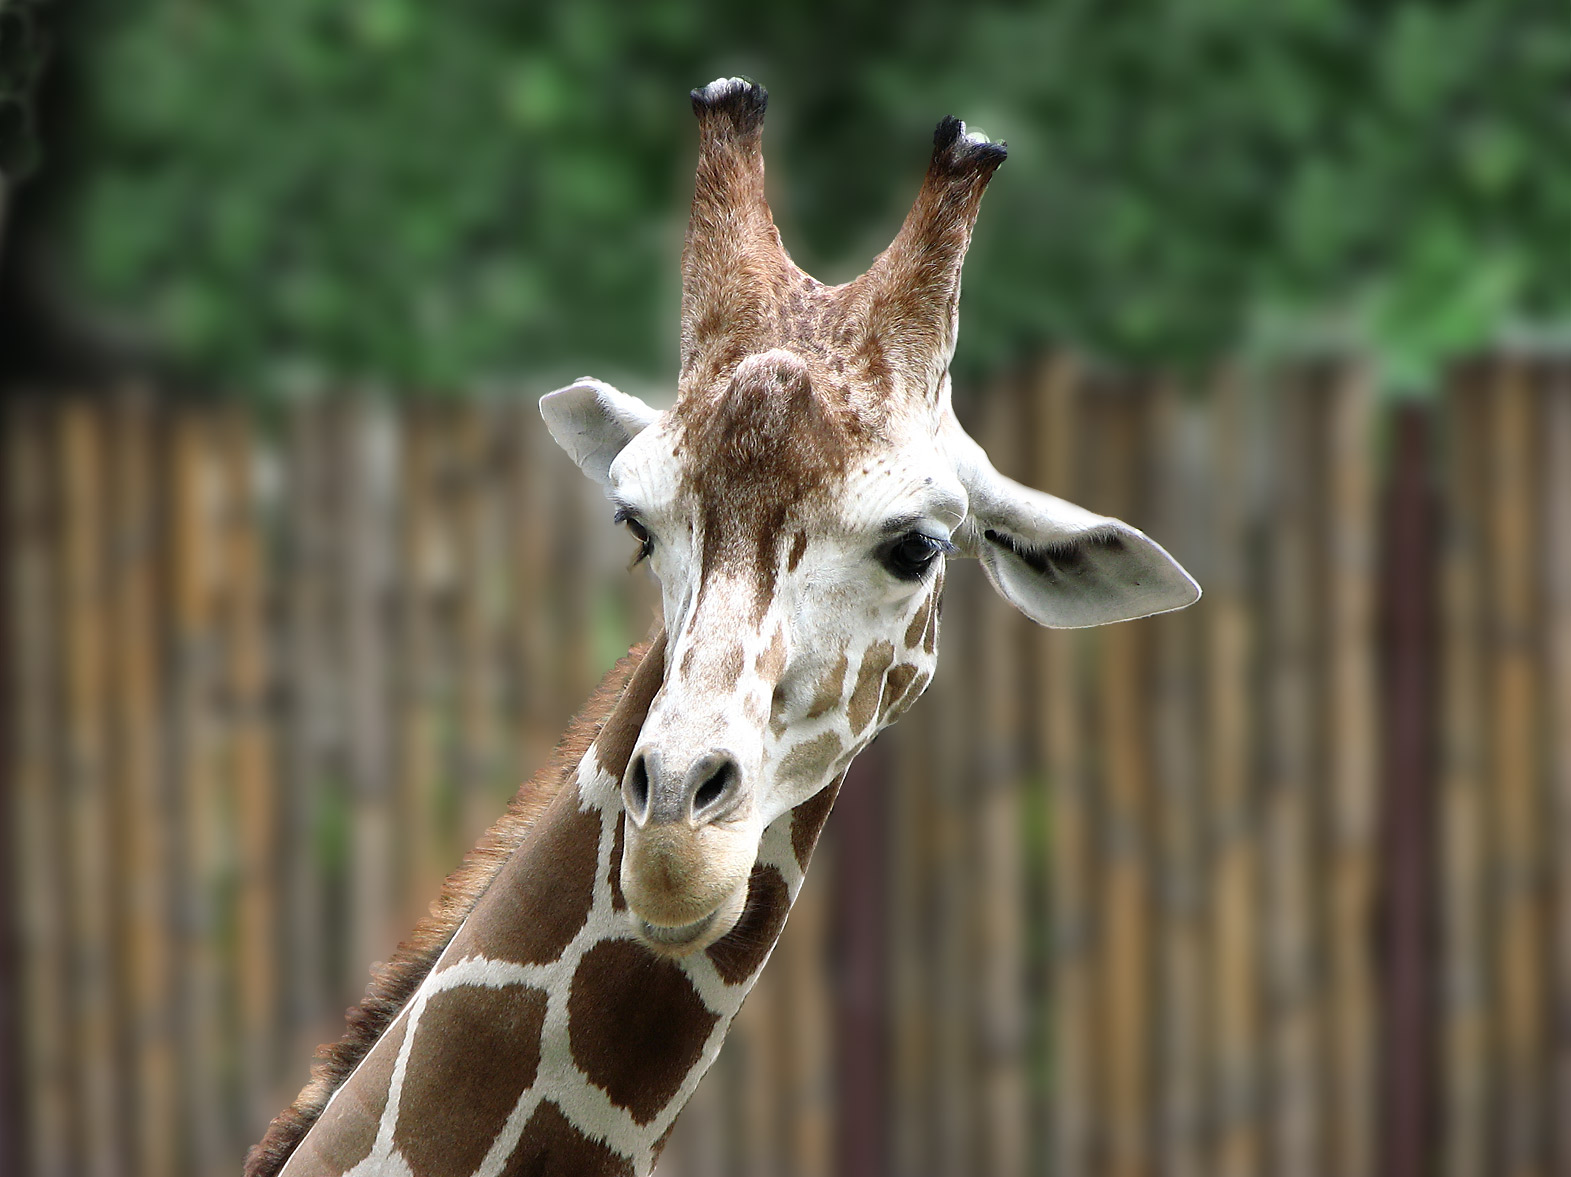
(910,556)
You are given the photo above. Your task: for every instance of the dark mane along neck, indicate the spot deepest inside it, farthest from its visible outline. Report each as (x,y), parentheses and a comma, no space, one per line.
(393,984)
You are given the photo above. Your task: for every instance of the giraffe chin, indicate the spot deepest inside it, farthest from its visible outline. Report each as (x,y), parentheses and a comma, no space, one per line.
(685,939)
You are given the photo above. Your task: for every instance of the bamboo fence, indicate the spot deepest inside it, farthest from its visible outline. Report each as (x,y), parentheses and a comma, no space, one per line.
(1280,884)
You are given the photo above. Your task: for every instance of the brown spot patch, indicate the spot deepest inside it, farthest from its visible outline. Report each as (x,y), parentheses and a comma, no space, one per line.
(918,626)
(808,818)
(552,878)
(771,659)
(552,1147)
(475,1052)
(729,669)
(826,695)
(343,1137)
(896,683)
(738,954)
(636,1025)
(614,745)
(614,870)
(798,550)
(811,759)
(869,682)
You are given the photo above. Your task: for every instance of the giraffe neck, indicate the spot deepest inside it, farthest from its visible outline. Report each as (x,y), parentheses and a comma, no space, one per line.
(543,1038)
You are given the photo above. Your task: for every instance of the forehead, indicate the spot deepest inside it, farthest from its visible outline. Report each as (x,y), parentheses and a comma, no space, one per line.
(775,456)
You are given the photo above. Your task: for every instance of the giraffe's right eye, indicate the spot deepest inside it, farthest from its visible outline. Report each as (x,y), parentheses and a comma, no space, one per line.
(646,544)
(912,554)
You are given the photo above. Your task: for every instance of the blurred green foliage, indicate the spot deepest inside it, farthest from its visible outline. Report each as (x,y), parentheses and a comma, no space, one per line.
(22,53)
(433,195)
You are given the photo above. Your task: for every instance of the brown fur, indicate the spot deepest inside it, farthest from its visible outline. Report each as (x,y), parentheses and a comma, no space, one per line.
(393,984)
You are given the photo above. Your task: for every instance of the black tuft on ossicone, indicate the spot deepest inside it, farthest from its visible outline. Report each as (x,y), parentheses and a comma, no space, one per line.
(741,99)
(955,153)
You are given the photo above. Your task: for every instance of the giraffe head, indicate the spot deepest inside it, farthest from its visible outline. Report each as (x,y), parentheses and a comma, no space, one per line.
(798,504)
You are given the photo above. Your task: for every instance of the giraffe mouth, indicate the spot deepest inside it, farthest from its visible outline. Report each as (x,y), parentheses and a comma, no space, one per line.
(676,938)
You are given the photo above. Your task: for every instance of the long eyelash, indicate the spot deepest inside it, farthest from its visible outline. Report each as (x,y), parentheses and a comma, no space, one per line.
(646,543)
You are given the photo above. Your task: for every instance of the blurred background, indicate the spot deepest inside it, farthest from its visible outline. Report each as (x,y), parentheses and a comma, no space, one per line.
(294,588)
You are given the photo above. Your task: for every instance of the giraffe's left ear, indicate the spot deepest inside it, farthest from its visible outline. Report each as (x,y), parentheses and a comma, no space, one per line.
(1059,564)
(593,421)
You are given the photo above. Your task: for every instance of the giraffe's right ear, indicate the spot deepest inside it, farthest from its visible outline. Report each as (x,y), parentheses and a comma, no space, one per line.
(593,421)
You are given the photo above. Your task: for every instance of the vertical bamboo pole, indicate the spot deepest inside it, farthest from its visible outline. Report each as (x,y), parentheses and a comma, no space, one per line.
(539,466)
(39,830)
(1295,1128)
(998,744)
(96,1090)
(1235,877)
(309,1003)
(365,543)
(1517,682)
(148,818)
(1405,1013)
(253,780)
(477,750)
(1071,990)
(1463,832)
(1557,533)
(1352,719)
(1180,981)
(809,1055)
(1126,962)
(753,1043)
(910,999)
(423,843)
(192,576)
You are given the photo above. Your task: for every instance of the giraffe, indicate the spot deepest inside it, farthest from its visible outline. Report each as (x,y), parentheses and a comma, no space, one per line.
(797,505)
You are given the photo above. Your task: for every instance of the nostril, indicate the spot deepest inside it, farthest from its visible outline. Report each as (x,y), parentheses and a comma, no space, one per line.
(635,788)
(718,785)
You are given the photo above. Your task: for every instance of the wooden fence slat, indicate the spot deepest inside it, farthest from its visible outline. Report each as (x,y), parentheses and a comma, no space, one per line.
(1127,836)
(1351,741)
(910,993)
(97,1091)
(1069,835)
(1295,1127)
(364,541)
(1235,867)
(1557,603)
(39,832)
(425,853)
(1179,982)
(252,777)
(1516,679)
(996,797)
(194,556)
(147,815)
(1465,1029)
(311,1003)
(1405,1008)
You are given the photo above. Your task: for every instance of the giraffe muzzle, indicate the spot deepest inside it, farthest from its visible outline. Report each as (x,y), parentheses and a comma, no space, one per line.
(708,790)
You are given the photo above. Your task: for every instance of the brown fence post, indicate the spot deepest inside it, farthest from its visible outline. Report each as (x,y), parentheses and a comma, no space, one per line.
(1516,679)
(1408,894)
(1557,530)
(860,913)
